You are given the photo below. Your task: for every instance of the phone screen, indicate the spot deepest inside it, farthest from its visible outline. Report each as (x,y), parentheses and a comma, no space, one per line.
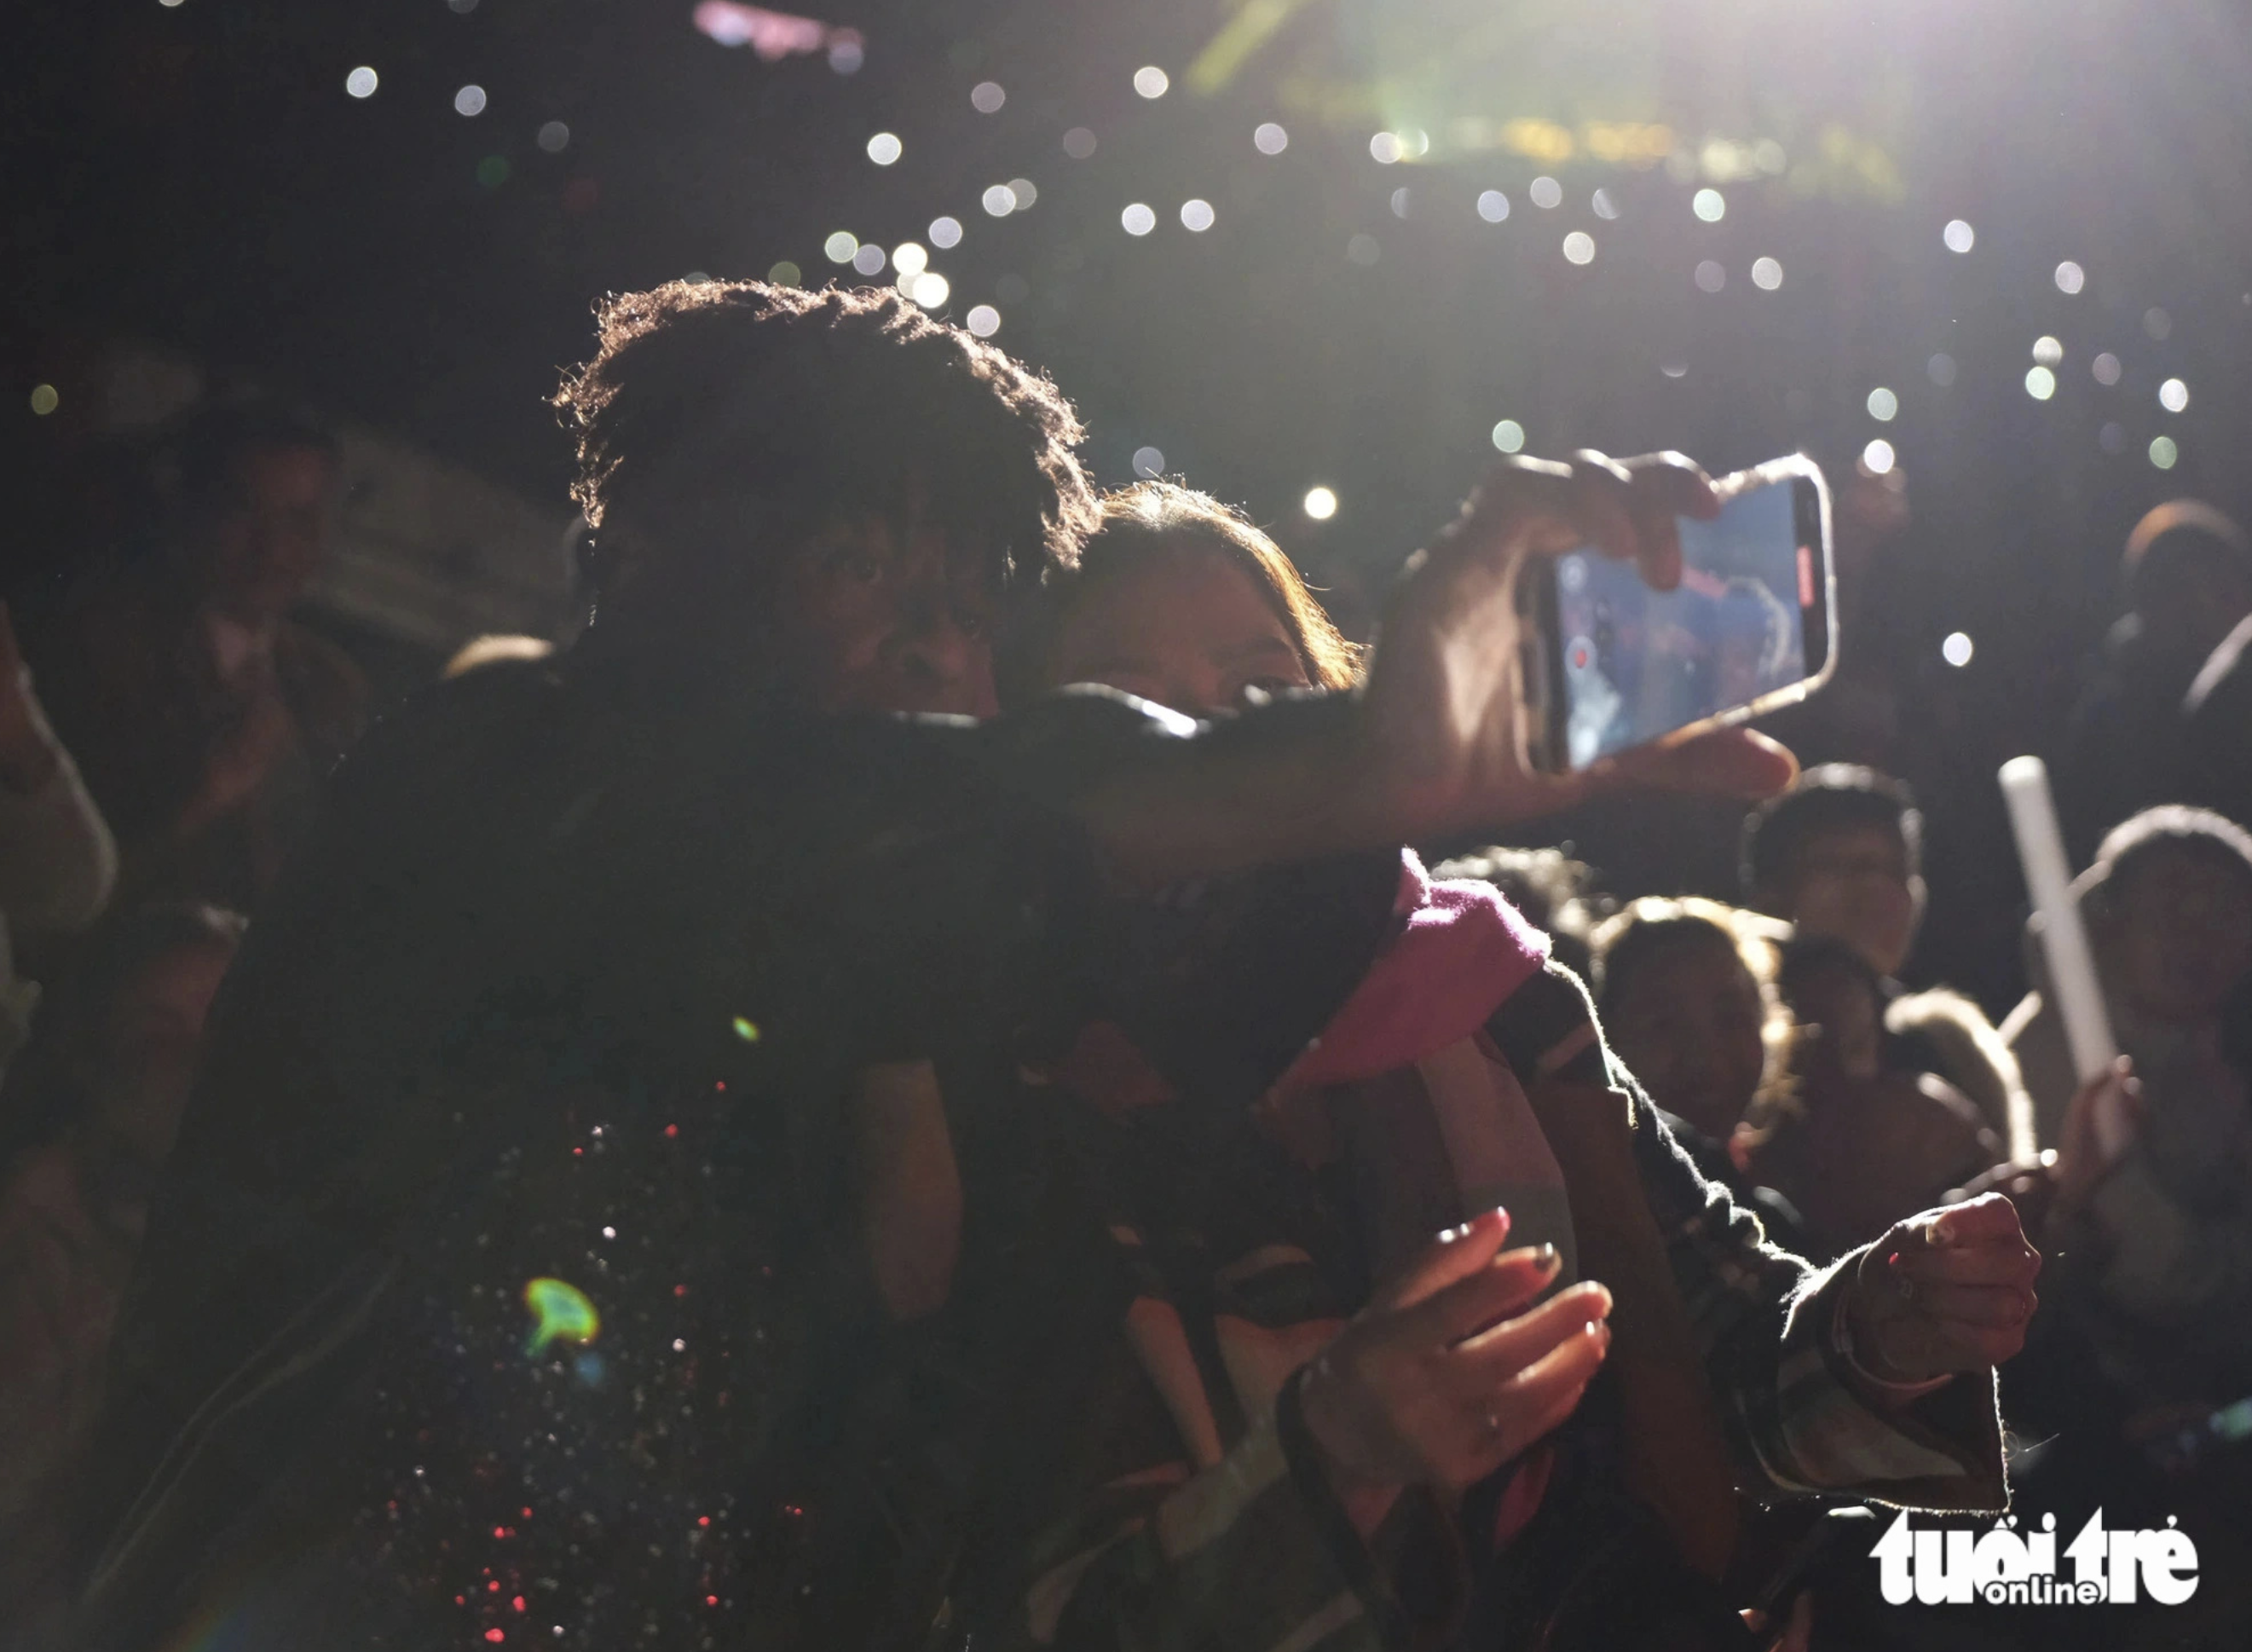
(1639,663)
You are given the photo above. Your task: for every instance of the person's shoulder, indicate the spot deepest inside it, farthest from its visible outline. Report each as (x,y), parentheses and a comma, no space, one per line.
(327,691)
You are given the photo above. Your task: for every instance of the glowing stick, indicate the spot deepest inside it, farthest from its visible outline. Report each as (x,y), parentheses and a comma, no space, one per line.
(2064,938)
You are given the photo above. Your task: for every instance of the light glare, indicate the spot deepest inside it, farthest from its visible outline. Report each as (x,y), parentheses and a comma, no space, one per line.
(1878,457)
(2164,453)
(930,289)
(1710,276)
(1321,504)
(1270,139)
(2048,351)
(470,100)
(869,259)
(1196,216)
(841,246)
(987,97)
(554,137)
(982,320)
(2174,395)
(883,148)
(1941,370)
(1579,247)
(1000,200)
(945,232)
(1709,204)
(2041,384)
(1139,219)
(2070,278)
(1151,80)
(2106,368)
(1767,274)
(1958,235)
(909,258)
(1384,149)
(1493,207)
(361,82)
(1546,193)
(1079,143)
(1148,462)
(1956,649)
(1883,405)
(1509,436)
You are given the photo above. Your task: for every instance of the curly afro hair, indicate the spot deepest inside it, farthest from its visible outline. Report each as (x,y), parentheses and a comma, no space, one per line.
(713,406)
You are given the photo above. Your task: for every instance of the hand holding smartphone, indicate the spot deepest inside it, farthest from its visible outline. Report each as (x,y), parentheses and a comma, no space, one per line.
(1609,664)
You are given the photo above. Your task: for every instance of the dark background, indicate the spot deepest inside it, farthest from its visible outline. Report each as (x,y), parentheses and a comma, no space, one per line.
(196,176)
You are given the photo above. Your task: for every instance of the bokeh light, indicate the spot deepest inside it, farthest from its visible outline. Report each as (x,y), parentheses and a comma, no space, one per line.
(910,258)
(846,57)
(1603,206)
(2112,438)
(2070,278)
(1709,204)
(1384,149)
(1956,649)
(930,289)
(1363,250)
(560,1314)
(2048,351)
(840,246)
(470,100)
(1509,436)
(1674,368)
(1400,200)
(1000,200)
(2106,368)
(1940,370)
(2041,384)
(1958,236)
(869,259)
(1883,405)
(493,171)
(1270,139)
(1021,190)
(884,148)
(1767,274)
(786,274)
(1321,504)
(1079,143)
(987,97)
(361,82)
(1710,276)
(1148,462)
(2174,395)
(945,232)
(2164,453)
(45,400)
(1580,247)
(982,320)
(1196,216)
(1493,207)
(1878,457)
(1139,219)
(1546,192)
(2158,324)
(1151,80)
(554,137)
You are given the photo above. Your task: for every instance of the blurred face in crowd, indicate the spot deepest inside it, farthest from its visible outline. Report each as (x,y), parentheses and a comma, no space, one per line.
(2179,937)
(266,539)
(1853,884)
(1688,1025)
(1187,629)
(884,616)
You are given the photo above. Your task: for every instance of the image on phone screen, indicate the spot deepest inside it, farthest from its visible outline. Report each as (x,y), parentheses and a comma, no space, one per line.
(1639,663)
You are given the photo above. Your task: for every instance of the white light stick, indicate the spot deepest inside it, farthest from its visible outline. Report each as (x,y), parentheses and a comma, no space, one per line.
(2064,938)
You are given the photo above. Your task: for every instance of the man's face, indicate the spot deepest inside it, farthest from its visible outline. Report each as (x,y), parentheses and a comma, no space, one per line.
(2183,937)
(878,615)
(1853,884)
(269,535)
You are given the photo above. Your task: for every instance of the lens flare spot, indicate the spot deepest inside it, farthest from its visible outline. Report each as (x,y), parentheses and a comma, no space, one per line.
(1878,458)
(746,1029)
(1956,649)
(1509,436)
(1321,504)
(561,1314)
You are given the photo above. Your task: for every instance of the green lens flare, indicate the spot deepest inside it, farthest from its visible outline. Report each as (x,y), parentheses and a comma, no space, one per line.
(563,1313)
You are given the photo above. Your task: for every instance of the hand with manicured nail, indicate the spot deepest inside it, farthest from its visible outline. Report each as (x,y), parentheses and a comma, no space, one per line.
(1434,1384)
(1948,1290)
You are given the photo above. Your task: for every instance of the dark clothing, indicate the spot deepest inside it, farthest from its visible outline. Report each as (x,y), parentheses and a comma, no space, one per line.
(1785,1229)
(2218,732)
(548,1022)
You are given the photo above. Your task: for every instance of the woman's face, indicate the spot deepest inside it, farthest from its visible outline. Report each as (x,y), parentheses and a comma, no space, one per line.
(1187,629)
(2183,937)
(1688,1025)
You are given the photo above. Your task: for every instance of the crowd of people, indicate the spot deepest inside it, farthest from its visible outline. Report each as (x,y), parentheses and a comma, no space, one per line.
(911,1088)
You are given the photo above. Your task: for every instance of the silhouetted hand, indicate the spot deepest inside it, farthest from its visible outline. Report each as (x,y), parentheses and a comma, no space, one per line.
(1433,1384)
(1947,1290)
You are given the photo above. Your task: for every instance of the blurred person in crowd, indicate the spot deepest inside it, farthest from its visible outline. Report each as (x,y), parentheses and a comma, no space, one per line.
(2217,737)
(1682,989)
(2185,578)
(1548,886)
(561,1007)
(1852,1143)
(87,1118)
(57,859)
(202,714)
(1840,856)
(1253,1238)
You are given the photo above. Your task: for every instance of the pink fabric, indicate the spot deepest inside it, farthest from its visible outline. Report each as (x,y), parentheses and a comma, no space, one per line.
(1462,950)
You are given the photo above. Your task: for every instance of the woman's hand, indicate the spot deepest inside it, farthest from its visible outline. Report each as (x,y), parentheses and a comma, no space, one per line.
(1433,1384)
(2081,1159)
(1949,1290)
(1442,740)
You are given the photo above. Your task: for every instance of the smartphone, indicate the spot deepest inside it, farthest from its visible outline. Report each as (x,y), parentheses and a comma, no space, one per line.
(1610,663)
